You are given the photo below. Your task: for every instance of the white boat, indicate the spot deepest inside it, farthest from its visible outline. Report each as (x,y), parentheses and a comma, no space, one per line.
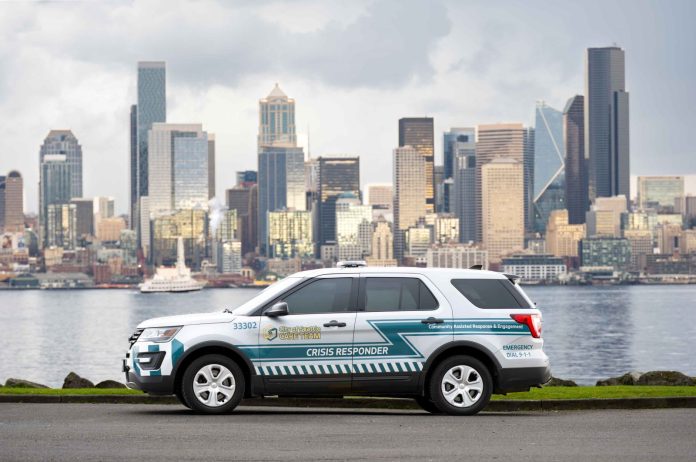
(177,279)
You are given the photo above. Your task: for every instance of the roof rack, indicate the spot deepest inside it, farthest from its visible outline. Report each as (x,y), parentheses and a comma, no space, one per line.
(351,264)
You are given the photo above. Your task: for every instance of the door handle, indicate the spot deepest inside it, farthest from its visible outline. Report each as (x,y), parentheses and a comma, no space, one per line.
(335,323)
(432,320)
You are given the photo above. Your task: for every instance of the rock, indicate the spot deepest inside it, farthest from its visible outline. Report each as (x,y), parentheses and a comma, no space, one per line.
(19,383)
(109,384)
(556,382)
(72,380)
(630,378)
(673,378)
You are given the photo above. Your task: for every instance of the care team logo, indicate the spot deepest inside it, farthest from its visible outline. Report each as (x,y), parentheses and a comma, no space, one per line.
(271,334)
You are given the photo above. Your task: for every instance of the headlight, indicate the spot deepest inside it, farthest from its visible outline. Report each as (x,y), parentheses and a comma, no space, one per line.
(158,334)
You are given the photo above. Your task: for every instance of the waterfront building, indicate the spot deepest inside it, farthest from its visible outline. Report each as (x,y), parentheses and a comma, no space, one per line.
(12,202)
(290,234)
(178,167)
(85,216)
(61,226)
(337,176)
(453,255)
(353,228)
(226,229)
(535,267)
(502,206)
(614,252)
(463,200)
(688,242)
(277,120)
(668,237)
(549,165)
(281,185)
(382,248)
(669,264)
(604,217)
(661,193)
(576,180)
(607,123)
(229,257)
(418,133)
(283,267)
(641,242)
(409,193)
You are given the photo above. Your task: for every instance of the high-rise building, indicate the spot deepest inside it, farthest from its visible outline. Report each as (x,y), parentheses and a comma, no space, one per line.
(409,193)
(190,224)
(604,218)
(151,108)
(418,133)
(612,252)
(55,185)
(577,199)
(277,120)
(444,227)
(661,193)
(133,164)
(84,216)
(549,165)
(503,141)
(281,185)
(290,234)
(381,198)
(247,178)
(63,142)
(353,227)
(109,229)
(607,123)
(455,256)
(104,206)
(382,247)
(12,202)
(61,226)
(178,167)
(463,201)
(562,238)
(337,176)
(502,207)
(211,165)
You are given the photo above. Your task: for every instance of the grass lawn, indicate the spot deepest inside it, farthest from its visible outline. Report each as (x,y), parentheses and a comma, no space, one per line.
(535,394)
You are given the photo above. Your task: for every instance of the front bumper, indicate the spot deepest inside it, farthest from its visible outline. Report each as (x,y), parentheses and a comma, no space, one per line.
(513,379)
(154,384)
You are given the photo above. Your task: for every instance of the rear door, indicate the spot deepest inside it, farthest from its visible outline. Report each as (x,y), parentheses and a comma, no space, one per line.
(308,351)
(402,319)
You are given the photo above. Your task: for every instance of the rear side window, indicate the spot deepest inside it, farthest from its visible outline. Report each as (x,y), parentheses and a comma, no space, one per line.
(490,293)
(397,294)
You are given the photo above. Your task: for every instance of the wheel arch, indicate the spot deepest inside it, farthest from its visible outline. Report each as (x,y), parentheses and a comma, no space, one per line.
(216,347)
(461,347)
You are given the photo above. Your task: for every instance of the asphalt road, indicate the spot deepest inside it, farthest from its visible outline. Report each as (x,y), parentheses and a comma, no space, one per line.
(148,433)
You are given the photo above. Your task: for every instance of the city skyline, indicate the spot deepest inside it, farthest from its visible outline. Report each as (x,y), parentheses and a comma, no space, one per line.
(484,83)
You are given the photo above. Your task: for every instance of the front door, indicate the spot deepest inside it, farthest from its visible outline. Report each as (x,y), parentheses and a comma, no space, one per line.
(402,320)
(308,351)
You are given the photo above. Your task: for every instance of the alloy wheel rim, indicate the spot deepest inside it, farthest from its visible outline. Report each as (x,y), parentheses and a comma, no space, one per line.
(214,385)
(462,386)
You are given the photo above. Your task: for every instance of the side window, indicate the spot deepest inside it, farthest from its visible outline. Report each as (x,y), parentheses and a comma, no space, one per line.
(490,293)
(321,296)
(397,294)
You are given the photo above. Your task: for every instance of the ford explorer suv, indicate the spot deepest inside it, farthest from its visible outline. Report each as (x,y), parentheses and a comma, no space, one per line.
(448,338)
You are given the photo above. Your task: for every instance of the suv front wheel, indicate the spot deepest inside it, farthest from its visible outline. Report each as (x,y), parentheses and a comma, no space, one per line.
(461,385)
(213,384)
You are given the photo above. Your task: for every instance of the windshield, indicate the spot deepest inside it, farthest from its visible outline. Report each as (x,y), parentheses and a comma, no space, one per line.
(266,295)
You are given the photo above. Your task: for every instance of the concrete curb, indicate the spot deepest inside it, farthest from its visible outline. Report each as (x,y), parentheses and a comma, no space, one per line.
(377,403)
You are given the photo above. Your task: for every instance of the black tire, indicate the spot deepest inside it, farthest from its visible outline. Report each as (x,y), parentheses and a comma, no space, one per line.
(427,405)
(190,374)
(482,398)
(180,395)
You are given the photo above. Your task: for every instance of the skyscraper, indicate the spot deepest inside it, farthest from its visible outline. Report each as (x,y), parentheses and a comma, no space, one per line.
(63,142)
(151,108)
(660,192)
(55,184)
(84,216)
(508,141)
(607,123)
(418,133)
(12,203)
(353,227)
(463,201)
(577,200)
(281,184)
(277,120)
(409,193)
(502,186)
(455,141)
(178,167)
(549,165)
(337,176)
(133,164)
(211,165)
(290,234)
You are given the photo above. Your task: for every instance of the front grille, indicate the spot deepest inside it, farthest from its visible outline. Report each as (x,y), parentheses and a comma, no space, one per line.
(134,338)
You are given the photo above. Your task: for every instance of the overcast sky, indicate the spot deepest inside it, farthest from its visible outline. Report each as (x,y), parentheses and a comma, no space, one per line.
(354,68)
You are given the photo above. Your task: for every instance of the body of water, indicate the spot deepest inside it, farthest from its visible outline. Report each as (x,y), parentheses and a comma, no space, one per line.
(590,332)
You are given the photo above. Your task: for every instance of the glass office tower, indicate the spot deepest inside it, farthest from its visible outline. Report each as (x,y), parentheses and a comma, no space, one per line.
(549,165)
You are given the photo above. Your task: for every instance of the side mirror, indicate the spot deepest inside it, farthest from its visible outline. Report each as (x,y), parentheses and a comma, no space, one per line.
(279,309)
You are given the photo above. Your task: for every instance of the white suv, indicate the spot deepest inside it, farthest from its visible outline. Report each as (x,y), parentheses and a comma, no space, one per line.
(447,338)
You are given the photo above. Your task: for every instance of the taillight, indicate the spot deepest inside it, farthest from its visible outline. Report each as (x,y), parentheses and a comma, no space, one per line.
(533,321)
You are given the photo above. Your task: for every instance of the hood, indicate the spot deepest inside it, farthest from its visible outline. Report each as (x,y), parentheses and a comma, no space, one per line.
(187,319)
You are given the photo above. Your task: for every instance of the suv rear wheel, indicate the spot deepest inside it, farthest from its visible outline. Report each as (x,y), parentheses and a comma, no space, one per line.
(461,385)
(213,384)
